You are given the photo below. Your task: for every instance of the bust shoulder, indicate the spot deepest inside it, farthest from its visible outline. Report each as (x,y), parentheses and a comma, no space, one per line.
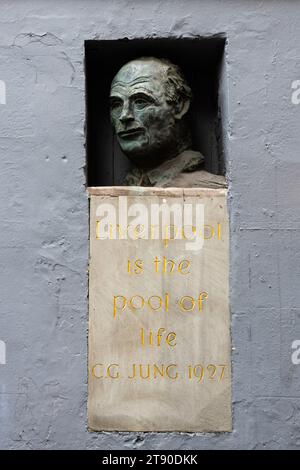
(197,179)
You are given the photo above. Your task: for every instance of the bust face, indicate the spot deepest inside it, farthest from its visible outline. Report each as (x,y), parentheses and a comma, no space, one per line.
(143,118)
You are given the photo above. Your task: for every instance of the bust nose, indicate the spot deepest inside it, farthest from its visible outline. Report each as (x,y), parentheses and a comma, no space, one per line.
(127,112)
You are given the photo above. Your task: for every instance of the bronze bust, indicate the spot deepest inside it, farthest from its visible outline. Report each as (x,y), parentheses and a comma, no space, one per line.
(149,101)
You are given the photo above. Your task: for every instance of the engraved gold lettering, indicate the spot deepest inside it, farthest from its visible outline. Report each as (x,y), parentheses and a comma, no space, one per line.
(94,371)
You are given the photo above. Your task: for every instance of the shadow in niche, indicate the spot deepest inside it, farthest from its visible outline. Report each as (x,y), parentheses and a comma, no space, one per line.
(200,59)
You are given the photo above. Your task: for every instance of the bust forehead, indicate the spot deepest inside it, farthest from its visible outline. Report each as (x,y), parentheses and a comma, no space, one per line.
(140,71)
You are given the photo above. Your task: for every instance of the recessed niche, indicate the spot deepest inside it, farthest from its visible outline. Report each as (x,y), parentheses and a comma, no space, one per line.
(201,61)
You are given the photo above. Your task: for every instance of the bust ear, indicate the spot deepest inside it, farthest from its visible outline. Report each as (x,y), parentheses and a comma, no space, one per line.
(182,107)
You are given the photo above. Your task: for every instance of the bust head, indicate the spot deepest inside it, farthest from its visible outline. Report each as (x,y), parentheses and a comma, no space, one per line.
(149,101)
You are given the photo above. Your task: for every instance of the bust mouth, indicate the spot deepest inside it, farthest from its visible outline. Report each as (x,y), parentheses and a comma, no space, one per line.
(131,133)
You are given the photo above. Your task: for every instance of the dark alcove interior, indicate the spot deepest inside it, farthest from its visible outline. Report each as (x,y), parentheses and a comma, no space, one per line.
(200,59)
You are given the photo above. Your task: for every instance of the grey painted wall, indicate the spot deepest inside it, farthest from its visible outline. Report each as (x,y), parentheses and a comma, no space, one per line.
(44,215)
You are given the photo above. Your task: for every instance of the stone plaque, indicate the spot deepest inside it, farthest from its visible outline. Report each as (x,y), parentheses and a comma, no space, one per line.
(159,324)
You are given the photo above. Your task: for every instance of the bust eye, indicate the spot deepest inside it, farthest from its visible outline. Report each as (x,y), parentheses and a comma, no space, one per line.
(141,103)
(115,105)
